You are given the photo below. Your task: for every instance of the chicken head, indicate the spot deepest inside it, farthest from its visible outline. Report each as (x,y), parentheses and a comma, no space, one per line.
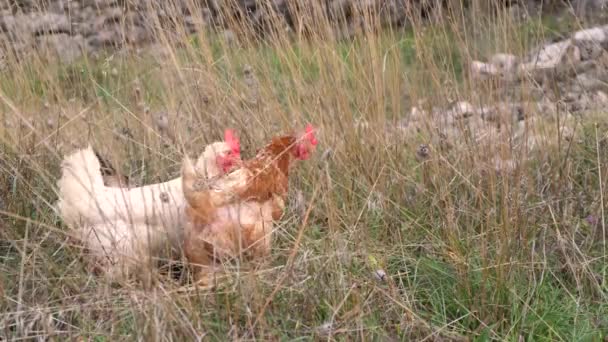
(306,143)
(220,157)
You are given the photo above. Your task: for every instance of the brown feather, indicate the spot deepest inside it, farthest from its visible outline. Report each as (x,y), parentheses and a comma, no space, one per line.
(261,179)
(270,170)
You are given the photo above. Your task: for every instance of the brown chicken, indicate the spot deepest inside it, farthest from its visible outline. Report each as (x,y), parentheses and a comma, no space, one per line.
(233,214)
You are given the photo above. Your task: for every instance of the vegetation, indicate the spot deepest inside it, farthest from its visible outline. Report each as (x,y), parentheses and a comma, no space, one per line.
(395,245)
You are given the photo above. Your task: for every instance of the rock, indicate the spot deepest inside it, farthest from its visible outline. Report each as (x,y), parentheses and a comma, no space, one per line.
(584,66)
(417,114)
(86,28)
(591,42)
(8,22)
(570,76)
(462,110)
(600,98)
(392,13)
(325,329)
(67,48)
(592,82)
(109,23)
(551,60)
(98,3)
(509,110)
(380,275)
(482,71)
(16,28)
(590,8)
(137,35)
(43,23)
(504,62)
(501,65)
(106,38)
(193,24)
(598,35)
(161,119)
(549,55)
(579,102)
(109,17)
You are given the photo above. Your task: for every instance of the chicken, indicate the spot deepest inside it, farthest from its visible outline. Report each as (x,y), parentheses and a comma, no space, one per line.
(111,177)
(154,204)
(120,226)
(233,214)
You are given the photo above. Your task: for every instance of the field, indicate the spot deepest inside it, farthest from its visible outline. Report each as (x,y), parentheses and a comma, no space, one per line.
(384,239)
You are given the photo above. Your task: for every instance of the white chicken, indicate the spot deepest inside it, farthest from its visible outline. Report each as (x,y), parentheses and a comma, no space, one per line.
(122,228)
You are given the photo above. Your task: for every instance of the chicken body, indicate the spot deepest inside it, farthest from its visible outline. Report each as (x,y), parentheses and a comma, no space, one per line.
(234,214)
(123,228)
(237,230)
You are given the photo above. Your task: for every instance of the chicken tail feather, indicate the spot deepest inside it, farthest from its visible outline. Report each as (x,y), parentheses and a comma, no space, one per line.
(80,179)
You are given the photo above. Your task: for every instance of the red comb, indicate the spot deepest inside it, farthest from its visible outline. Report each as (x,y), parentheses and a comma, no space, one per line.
(231,139)
(310,133)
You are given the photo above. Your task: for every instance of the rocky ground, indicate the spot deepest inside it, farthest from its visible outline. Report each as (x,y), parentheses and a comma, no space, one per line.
(569,76)
(561,81)
(70,28)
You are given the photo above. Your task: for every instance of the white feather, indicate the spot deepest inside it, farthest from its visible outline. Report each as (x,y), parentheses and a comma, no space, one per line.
(122,226)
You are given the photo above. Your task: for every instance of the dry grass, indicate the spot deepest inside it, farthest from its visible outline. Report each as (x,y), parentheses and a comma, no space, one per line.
(464,251)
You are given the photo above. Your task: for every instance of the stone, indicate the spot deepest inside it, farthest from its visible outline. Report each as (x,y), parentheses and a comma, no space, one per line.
(462,110)
(8,22)
(591,42)
(380,275)
(548,56)
(85,28)
(504,62)
(109,17)
(67,48)
(109,23)
(595,34)
(43,23)
(161,119)
(600,98)
(591,82)
(137,35)
(392,13)
(551,60)
(16,28)
(325,329)
(106,38)
(417,114)
(98,3)
(482,71)
(194,23)
(502,110)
